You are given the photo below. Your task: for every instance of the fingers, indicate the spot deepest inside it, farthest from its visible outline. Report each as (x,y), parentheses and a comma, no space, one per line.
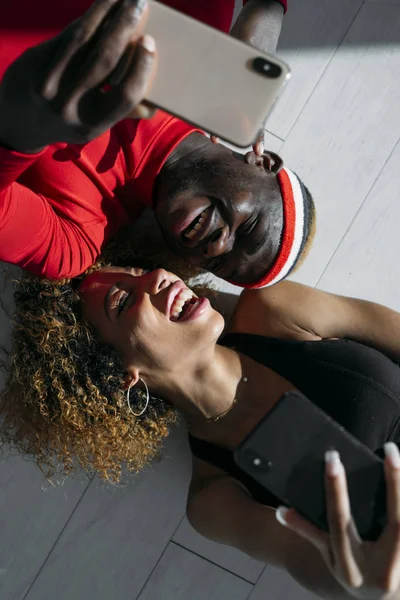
(292,519)
(74,37)
(392,475)
(391,535)
(258,146)
(95,47)
(111,44)
(343,534)
(124,99)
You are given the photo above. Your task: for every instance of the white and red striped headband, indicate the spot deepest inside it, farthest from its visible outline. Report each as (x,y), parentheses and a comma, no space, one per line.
(293,234)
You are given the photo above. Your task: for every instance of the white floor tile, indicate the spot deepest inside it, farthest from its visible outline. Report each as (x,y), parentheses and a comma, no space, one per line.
(117,535)
(310,35)
(348,129)
(367,264)
(181,575)
(274,584)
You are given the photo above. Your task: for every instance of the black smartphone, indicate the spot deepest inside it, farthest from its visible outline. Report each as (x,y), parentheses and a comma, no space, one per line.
(285,453)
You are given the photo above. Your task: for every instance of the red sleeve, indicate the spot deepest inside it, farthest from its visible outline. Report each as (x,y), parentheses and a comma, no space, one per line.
(32,234)
(283,2)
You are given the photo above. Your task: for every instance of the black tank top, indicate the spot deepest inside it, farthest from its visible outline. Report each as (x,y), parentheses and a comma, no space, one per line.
(356,385)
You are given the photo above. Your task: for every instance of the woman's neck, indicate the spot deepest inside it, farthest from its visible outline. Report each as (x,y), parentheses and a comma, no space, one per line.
(207,388)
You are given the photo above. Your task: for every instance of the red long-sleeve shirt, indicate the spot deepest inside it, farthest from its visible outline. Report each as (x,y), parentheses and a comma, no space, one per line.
(58,208)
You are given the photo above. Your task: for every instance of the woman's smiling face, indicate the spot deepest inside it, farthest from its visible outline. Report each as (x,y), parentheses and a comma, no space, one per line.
(153,319)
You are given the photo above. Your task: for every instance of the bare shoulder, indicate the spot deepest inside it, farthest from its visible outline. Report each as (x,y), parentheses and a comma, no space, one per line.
(203,474)
(207,479)
(276,311)
(202,485)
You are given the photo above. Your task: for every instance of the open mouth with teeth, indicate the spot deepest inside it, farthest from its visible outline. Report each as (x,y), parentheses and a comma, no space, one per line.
(197,226)
(183,305)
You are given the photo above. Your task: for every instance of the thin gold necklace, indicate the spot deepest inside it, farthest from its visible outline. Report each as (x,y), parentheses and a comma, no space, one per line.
(235,400)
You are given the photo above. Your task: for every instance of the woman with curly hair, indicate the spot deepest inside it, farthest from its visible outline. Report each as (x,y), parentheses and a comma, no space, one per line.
(101,366)
(64,403)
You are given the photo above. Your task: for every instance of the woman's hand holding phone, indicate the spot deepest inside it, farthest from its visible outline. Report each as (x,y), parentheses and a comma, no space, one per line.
(364,569)
(57,91)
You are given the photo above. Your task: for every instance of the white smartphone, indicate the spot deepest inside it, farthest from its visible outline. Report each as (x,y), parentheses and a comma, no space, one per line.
(211,79)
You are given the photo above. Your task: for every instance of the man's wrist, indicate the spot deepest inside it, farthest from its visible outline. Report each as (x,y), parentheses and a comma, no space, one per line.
(259,24)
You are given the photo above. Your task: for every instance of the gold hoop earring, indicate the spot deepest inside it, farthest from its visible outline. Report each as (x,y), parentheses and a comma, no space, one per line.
(147,398)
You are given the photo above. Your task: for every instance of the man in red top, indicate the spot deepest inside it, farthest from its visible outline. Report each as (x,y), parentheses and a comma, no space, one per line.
(74,169)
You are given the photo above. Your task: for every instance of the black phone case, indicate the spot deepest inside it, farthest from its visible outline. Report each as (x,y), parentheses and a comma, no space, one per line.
(285,453)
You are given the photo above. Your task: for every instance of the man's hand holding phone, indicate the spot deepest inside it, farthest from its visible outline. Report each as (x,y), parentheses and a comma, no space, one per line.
(258,146)
(363,569)
(60,91)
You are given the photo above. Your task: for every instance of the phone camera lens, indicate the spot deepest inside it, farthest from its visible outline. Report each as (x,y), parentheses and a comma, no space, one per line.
(261,465)
(256,462)
(264,67)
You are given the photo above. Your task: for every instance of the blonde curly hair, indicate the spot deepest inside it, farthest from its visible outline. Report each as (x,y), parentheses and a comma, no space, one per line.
(64,402)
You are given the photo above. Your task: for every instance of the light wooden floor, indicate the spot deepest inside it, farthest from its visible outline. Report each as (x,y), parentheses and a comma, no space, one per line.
(338,126)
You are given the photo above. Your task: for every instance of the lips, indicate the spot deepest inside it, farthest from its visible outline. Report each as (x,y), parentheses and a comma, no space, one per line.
(212,223)
(180,303)
(201,228)
(197,226)
(183,304)
(178,298)
(191,229)
(194,309)
(181,219)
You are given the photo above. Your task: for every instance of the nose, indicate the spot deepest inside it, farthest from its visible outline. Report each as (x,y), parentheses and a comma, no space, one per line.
(155,281)
(219,243)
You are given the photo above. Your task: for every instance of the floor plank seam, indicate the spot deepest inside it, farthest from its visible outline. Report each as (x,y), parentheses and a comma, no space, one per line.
(261,574)
(324,70)
(274,135)
(357,213)
(211,562)
(57,540)
(153,569)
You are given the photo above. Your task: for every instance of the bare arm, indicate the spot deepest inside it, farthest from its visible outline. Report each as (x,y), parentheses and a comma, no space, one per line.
(221,510)
(295,311)
(259,24)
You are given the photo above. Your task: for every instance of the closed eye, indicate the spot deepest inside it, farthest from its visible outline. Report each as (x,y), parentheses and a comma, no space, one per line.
(256,239)
(122,302)
(248,226)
